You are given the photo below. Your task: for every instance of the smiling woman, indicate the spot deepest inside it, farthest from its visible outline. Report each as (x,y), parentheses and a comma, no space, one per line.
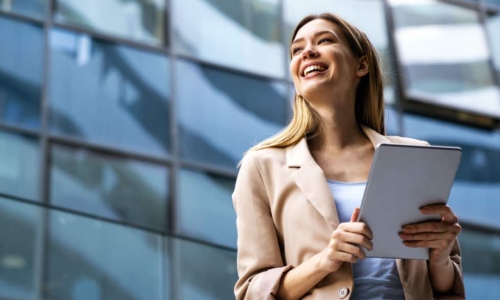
(297,192)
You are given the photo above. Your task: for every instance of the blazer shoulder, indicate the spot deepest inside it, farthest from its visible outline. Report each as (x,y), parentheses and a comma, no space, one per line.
(265,157)
(407,141)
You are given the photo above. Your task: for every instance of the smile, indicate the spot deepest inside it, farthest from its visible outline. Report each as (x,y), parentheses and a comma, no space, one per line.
(313,69)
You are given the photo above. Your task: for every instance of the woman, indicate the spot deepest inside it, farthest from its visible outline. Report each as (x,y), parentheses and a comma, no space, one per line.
(294,240)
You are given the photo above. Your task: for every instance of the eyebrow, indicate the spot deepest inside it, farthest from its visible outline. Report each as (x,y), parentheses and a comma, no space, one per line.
(316,34)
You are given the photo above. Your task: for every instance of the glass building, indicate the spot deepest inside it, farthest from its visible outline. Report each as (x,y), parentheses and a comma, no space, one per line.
(122,122)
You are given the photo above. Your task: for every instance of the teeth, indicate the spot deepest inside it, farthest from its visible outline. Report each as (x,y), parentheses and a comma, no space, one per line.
(313,68)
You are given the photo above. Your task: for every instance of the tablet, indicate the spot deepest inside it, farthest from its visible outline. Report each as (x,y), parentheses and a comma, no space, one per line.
(402,179)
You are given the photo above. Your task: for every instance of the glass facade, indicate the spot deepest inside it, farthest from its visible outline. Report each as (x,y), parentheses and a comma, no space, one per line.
(122,124)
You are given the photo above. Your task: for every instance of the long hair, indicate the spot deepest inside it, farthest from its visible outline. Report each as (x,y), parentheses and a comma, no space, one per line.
(369,105)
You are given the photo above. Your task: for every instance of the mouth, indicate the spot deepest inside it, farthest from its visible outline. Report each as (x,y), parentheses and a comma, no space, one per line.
(313,69)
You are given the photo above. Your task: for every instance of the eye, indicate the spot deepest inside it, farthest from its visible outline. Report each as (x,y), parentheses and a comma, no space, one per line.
(296,50)
(323,40)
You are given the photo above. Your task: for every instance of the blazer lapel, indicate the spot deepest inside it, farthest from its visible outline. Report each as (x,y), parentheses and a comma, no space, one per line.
(311,179)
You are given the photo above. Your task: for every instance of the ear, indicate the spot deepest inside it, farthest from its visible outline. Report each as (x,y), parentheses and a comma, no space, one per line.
(362,67)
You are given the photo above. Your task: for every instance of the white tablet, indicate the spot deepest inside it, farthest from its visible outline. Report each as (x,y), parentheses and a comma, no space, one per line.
(402,179)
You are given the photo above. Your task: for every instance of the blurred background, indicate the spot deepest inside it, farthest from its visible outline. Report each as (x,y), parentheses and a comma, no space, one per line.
(122,122)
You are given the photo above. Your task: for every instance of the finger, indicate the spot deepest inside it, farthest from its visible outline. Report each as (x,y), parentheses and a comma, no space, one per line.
(346,257)
(356,238)
(355,215)
(352,249)
(428,236)
(427,227)
(444,210)
(435,244)
(357,227)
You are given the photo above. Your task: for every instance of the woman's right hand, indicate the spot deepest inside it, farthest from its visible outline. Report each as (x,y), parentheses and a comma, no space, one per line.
(345,244)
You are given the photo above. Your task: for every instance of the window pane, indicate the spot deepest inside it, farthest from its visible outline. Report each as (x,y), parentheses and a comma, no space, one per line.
(109,94)
(134,19)
(243,34)
(204,273)
(32,8)
(205,209)
(19,161)
(91,259)
(19,223)
(225,114)
(111,187)
(481,264)
(440,65)
(392,121)
(21,56)
(475,196)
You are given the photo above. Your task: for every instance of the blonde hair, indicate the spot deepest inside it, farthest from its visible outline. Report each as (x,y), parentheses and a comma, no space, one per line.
(369,106)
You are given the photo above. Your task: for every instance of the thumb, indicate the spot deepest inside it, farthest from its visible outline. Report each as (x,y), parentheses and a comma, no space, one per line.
(355,215)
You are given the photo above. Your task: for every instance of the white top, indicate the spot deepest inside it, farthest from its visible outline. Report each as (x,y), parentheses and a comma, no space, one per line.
(374,278)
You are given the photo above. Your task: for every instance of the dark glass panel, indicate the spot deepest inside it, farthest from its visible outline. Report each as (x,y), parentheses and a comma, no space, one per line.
(19,165)
(132,19)
(19,231)
(220,115)
(243,34)
(475,196)
(203,272)
(31,8)
(205,209)
(109,94)
(21,67)
(91,259)
(112,187)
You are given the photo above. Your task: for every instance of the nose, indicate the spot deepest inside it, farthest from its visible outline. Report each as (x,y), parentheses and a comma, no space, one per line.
(309,52)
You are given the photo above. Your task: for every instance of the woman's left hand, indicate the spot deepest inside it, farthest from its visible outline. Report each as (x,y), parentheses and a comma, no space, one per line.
(438,236)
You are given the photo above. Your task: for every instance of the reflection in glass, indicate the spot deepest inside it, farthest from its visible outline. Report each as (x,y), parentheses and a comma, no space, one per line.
(475,196)
(481,264)
(205,209)
(111,187)
(243,34)
(19,165)
(18,235)
(109,94)
(91,259)
(445,56)
(392,121)
(21,54)
(225,114)
(203,273)
(32,8)
(133,19)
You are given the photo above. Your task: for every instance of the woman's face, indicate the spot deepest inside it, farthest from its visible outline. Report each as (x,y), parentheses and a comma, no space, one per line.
(322,61)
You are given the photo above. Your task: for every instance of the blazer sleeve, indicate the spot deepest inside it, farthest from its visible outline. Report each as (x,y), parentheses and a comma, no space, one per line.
(259,262)
(458,289)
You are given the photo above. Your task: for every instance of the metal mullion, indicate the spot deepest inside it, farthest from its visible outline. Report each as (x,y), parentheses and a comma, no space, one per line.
(464,4)
(106,150)
(19,130)
(42,236)
(20,17)
(169,249)
(399,85)
(113,39)
(208,168)
(202,242)
(229,69)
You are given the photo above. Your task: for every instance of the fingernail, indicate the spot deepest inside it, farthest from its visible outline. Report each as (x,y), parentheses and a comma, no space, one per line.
(406,229)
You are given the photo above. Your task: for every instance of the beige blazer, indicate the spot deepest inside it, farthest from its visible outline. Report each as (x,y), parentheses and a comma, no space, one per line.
(286,214)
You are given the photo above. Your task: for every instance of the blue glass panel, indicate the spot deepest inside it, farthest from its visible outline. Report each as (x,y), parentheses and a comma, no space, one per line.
(225,114)
(203,272)
(109,94)
(19,223)
(242,34)
(132,19)
(21,57)
(111,187)
(19,161)
(392,121)
(32,8)
(205,209)
(475,196)
(91,259)
(481,264)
